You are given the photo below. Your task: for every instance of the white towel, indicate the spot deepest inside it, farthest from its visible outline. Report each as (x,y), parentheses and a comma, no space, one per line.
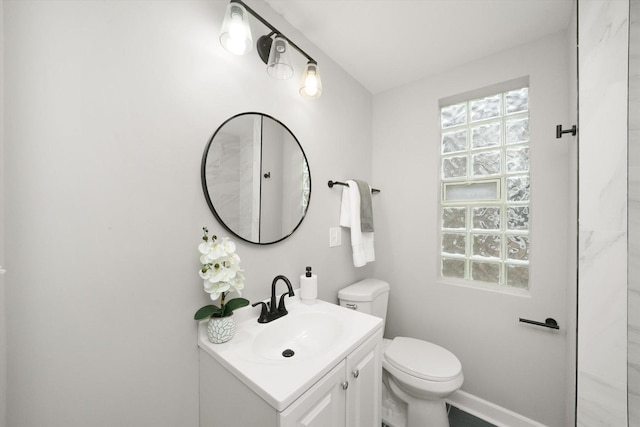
(361,243)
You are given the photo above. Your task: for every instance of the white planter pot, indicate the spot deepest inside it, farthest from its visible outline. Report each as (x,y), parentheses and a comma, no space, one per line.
(221,329)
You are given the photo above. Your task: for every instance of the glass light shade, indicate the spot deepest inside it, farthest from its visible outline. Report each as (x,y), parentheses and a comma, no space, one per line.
(235,35)
(279,65)
(311,85)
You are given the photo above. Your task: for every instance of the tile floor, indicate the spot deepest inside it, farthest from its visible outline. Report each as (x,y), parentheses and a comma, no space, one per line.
(458,418)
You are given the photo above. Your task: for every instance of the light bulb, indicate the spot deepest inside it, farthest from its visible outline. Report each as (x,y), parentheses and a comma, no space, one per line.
(311,85)
(235,35)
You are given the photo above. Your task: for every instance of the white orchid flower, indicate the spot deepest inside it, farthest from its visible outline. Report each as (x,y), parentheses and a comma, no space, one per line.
(237,283)
(216,289)
(217,251)
(234,259)
(204,248)
(228,246)
(222,275)
(204,274)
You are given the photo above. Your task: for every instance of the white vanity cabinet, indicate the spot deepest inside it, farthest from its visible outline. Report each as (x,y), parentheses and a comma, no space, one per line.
(322,405)
(318,366)
(364,375)
(349,395)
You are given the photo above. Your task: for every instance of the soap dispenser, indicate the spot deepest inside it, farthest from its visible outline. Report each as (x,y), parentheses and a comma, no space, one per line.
(308,287)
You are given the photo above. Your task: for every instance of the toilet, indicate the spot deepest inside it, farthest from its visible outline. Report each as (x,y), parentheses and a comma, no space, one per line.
(417,375)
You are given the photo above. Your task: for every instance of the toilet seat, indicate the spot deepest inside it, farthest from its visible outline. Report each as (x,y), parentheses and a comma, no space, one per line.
(422,359)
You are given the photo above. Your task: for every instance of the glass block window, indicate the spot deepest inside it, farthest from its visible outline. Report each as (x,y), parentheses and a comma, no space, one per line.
(485,212)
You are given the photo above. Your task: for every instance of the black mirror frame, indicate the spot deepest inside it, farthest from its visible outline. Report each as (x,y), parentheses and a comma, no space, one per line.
(206,190)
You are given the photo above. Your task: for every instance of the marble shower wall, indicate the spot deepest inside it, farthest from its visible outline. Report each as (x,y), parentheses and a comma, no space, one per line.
(634,216)
(602,297)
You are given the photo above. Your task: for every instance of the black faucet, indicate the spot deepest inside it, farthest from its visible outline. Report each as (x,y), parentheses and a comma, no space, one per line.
(269,310)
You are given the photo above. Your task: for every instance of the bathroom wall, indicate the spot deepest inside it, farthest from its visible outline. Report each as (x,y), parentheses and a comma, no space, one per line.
(633,331)
(3,321)
(519,368)
(602,296)
(112,104)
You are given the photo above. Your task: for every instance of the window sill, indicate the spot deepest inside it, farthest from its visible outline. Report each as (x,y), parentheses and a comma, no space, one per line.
(484,286)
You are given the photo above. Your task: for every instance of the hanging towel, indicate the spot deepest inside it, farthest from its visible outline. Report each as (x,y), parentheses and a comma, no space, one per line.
(366,208)
(361,242)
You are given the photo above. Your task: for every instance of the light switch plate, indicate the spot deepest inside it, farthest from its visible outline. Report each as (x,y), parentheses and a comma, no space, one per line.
(335,237)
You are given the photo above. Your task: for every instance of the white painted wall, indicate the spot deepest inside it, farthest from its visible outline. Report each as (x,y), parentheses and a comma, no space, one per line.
(111,106)
(602,299)
(3,317)
(518,368)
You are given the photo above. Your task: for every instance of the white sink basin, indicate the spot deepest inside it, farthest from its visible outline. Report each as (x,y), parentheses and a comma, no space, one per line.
(297,336)
(319,335)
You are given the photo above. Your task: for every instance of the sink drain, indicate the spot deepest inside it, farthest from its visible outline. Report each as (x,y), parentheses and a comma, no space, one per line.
(288,353)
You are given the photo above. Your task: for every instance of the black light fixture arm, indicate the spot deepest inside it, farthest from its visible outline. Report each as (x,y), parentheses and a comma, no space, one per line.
(273,29)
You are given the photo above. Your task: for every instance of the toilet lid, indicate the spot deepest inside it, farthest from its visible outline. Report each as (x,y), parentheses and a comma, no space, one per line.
(422,359)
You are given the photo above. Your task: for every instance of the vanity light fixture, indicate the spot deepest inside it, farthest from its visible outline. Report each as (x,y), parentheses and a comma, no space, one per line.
(272,48)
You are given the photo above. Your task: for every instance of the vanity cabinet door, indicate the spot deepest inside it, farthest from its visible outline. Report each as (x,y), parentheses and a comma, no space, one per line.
(364,374)
(322,405)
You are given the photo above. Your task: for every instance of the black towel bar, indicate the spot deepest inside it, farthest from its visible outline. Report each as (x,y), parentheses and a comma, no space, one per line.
(548,323)
(332,183)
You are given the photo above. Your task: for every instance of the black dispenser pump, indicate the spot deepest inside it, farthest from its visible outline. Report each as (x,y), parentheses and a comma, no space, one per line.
(308,272)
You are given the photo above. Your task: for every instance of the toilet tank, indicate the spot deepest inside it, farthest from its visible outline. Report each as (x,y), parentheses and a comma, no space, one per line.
(368,296)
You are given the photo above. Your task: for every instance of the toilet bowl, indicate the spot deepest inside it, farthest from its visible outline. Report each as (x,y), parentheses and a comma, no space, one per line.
(417,375)
(421,374)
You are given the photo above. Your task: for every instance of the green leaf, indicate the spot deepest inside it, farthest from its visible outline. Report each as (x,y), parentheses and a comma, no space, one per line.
(233,304)
(206,311)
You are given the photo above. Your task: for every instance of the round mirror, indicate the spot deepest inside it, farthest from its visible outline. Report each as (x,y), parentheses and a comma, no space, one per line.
(256,179)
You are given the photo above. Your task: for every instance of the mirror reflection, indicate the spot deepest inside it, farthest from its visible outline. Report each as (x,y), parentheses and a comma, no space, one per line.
(256,179)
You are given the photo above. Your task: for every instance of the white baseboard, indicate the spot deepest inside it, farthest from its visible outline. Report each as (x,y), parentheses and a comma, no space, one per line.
(489,412)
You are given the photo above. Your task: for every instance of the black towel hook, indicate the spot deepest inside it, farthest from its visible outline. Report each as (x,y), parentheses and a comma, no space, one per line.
(560,131)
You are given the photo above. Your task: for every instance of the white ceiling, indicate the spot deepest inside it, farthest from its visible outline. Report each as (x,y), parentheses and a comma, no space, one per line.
(387,43)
